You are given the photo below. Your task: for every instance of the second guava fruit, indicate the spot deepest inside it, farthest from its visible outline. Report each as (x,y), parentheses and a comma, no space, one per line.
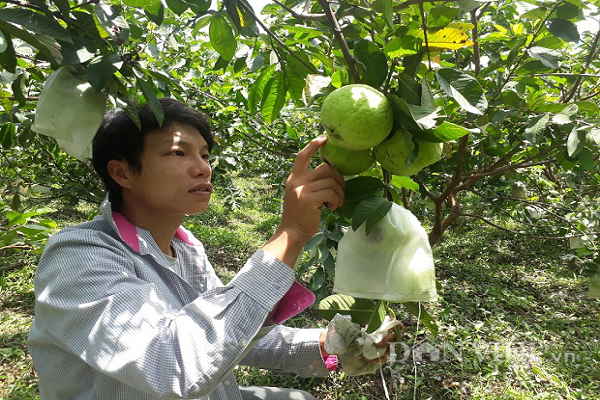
(348,162)
(394,152)
(356,117)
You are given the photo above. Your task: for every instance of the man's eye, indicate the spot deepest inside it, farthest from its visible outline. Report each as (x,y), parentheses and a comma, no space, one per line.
(178,153)
(205,156)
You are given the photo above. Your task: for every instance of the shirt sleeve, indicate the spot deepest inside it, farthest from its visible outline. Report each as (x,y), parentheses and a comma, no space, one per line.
(289,350)
(93,301)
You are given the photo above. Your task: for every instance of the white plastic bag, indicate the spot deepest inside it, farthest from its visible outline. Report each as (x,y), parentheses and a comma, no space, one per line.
(394,262)
(70,111)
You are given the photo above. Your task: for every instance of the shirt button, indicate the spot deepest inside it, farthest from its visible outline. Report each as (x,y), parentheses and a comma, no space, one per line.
(243,342)
(311,366)
(227,383)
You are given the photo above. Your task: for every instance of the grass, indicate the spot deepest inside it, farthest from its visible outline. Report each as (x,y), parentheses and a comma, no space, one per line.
(514,319)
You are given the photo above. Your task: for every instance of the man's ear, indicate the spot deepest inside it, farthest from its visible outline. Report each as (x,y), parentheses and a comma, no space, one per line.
(120,171)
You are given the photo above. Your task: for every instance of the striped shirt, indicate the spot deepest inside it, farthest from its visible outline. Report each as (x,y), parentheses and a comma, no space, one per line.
(114,321)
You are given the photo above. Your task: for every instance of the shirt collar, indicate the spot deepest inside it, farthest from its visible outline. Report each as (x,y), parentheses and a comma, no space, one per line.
(130,233)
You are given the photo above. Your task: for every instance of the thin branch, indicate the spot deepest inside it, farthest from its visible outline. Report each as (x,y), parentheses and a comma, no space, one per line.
(590,96)
(487,221)
(475,34)
(569,74)
(276,38)
(475,178)
(576,85)
(424,26)
(14,246)
(339,36)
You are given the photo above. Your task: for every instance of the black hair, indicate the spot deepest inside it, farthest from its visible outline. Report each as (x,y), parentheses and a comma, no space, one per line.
(120,139)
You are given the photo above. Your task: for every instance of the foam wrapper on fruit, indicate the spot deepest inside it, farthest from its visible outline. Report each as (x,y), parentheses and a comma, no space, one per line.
(394,262)
(70,111)
(354,346)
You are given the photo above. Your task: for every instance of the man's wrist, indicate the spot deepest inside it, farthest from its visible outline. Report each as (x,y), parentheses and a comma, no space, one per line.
(286,245)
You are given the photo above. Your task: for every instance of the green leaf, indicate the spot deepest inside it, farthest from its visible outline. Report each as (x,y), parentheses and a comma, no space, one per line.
(368,54)
(241,14)
(155,105)
(410,116)
(34,22)
(221,37)
(158,16)
(48,47)
(446,132)
(535,130)
(100,69)
(550,58)
(388,13)
(379,314)
(8,58)
(273,97)
(152,6)
(402,46)
(362,187)
(465,89)
(563,29)
(3,42)
(112,22)
(177,6)
(371,211)
(7,135)
(425,318)
(404,182)
(317,280)
(255,94)
(359,309)
(569,10)
(131,111)
(575,142)
(409,89)
(427,99)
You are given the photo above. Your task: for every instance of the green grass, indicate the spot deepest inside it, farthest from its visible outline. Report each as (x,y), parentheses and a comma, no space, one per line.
(514,318)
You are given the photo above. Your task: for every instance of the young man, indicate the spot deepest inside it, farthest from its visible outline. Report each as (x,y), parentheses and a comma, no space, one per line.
(128,305)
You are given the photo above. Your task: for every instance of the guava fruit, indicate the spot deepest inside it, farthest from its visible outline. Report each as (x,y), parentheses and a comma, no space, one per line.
(348,162)
(394,262)
(356,117)
(393,152)
(519,190)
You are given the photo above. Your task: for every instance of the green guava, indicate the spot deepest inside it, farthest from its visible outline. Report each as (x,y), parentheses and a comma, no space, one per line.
(393,153)
(348,162)
(357,117)
(518,190)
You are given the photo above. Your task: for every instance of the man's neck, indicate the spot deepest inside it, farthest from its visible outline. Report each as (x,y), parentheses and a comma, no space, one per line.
(161,227)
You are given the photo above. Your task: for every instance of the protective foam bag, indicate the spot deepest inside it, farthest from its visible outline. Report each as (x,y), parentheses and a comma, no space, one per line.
(394,262)
(70,111)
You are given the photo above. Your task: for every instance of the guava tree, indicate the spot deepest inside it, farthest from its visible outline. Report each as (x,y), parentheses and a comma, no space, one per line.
(511,89)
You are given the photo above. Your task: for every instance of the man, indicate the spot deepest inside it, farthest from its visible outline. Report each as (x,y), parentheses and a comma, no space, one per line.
(128,305)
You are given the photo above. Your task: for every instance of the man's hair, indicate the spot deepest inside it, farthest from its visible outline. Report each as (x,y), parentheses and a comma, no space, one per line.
(120,139)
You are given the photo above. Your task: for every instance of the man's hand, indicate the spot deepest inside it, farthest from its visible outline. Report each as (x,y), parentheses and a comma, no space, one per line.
(306,191)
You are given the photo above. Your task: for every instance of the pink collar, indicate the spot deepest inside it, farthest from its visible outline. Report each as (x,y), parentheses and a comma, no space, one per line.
(129,234)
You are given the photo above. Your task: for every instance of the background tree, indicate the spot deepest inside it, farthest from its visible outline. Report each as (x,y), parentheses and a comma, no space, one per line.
(511,88)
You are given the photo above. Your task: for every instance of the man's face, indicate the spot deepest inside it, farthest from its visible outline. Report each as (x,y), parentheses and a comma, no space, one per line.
(175,175)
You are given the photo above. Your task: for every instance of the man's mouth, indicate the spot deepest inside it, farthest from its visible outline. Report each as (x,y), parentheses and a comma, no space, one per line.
(203,188)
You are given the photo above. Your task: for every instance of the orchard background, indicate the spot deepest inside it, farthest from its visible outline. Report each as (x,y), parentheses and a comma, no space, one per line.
(510,87)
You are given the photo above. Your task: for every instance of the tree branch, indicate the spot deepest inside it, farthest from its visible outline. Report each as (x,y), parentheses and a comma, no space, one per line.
(487,221)
(339,36)
(276,38)
(577,84)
